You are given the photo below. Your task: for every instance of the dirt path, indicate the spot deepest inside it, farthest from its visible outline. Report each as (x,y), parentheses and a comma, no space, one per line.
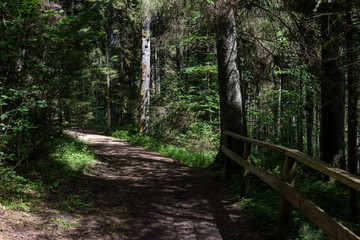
(132,193)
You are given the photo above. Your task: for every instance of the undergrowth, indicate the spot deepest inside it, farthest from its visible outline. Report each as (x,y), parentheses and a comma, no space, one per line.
(263,205)
(68,158)
(181,154)
(21,189)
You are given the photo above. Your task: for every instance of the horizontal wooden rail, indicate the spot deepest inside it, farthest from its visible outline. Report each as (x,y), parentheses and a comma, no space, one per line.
(343,176)
(329,225)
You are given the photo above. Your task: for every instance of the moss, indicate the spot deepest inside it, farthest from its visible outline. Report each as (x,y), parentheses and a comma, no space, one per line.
(143,66)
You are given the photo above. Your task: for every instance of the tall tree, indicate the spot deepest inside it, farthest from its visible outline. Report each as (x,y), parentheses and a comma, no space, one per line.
(110,65)
(332,146)
(352,104)
(309,109)
(144,104)
(232,116)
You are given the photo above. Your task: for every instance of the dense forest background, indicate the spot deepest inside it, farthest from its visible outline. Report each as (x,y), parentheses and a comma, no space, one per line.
(81,62)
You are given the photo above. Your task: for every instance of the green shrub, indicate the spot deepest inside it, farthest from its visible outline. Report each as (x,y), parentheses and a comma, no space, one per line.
(182,154)
(67,158)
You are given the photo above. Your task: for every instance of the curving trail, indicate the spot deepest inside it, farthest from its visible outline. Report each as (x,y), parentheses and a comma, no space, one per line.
(138,194)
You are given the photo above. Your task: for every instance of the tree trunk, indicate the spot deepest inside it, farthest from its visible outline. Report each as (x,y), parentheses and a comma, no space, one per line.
(110,65)
(352,105)
(157,76)
(69,7)
(143,124)
(232,116)
(279,112)
(299,119)
(179,57)
(332,147)
(309,109)
(258,108)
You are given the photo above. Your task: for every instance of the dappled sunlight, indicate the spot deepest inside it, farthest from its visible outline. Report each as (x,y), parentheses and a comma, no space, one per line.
(137,194)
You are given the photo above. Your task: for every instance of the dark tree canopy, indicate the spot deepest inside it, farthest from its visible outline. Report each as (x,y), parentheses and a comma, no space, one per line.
(284,72)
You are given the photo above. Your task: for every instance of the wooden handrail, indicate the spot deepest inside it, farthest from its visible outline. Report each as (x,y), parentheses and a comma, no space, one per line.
(329,225)
(343,176)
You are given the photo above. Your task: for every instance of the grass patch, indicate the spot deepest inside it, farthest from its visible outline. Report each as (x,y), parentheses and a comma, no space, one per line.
(17,192)
(65,158)
(181,154)
(68,158)
(62,223)
(72,156)
(76,202)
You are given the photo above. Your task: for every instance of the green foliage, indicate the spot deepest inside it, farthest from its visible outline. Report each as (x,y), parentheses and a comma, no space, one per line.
(67,158)
(54,68)
(17,124)
(199,137)
(61,223)
(76,202)
(18,192)
(180,125)
(190,158)
(326,195)
(307,232)
(263,206)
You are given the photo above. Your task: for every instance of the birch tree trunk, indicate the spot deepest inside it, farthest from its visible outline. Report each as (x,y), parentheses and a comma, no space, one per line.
(143,124)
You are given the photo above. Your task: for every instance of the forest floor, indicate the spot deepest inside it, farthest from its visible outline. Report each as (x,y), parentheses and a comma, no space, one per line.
(132,193)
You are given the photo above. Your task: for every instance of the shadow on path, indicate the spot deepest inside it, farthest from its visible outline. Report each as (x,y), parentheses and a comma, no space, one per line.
(138,194)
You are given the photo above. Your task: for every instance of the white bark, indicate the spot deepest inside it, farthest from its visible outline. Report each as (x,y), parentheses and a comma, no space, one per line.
(144,104)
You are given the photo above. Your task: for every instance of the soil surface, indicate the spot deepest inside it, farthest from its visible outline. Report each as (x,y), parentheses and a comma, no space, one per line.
(132,193)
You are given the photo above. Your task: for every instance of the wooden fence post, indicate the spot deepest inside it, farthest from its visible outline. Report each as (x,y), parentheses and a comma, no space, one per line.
(285,206)
(245,173)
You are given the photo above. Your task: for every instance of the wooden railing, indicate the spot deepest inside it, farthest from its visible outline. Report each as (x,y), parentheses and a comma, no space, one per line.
(285,186)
